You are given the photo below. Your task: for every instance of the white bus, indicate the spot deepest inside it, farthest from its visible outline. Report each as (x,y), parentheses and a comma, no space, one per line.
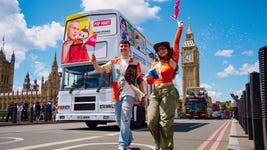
(85,95)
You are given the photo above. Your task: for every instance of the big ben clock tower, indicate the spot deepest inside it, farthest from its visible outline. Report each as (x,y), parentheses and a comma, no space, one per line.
(190,63)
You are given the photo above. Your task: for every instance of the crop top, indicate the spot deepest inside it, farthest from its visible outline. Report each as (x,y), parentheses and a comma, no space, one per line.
(166,71)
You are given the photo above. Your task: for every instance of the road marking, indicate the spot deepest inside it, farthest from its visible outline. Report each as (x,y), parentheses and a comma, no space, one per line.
(93,144)
(233,142)
(13,141)
(73,140)
(219,138)
(206,142)
(55,143)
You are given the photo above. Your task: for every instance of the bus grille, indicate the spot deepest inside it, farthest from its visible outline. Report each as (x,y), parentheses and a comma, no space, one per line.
(84,103)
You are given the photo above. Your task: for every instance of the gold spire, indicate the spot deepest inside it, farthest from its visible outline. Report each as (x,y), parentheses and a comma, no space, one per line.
(189,30)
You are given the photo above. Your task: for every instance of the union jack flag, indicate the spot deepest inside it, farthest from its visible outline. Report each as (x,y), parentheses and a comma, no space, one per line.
(91,40)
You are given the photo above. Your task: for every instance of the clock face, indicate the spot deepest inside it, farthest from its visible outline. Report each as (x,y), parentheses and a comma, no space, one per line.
(188,57)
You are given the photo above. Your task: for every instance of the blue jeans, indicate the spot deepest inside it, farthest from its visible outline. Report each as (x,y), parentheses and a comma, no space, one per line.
(123,112)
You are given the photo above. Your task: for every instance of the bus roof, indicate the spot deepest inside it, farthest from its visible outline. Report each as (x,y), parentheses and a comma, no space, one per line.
(196,91)
(99,11)
(104,11)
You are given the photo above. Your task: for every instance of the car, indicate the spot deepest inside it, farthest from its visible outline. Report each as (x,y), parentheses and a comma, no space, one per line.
(216,115)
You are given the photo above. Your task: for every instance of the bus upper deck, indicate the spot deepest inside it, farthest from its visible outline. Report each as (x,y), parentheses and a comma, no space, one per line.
(85,95)
(110,26)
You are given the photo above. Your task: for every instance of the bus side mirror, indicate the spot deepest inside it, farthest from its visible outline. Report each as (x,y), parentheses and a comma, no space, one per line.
(60,74)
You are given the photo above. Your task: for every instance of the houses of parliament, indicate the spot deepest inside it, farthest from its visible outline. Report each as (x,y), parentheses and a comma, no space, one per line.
(31,92)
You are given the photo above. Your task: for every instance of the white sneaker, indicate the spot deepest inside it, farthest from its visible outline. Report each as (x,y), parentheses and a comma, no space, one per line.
(121,148)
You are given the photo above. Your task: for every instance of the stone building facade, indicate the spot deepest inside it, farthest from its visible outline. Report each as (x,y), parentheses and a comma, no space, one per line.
(31,93)
(6,72)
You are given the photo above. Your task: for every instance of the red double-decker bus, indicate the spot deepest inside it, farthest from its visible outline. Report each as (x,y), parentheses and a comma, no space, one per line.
(196,102)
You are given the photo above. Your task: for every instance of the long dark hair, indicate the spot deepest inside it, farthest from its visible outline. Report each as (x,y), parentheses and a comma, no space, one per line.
(168,56)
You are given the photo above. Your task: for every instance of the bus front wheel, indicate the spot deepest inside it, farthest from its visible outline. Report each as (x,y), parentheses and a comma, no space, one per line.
(91,125)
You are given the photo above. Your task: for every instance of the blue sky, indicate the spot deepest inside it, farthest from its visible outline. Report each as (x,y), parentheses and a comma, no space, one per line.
(228,35)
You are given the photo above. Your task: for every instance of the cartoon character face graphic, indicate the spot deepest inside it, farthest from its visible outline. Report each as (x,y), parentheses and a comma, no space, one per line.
(83,34)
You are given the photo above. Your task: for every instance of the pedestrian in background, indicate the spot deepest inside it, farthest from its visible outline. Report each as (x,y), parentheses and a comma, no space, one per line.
(19,111)
(235,105)
(10,111)
(54,111)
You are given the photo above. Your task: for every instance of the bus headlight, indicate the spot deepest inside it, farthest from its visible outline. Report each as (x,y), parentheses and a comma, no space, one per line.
(64,107)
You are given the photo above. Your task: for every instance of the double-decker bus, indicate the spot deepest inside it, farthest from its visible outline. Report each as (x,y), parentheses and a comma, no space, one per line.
(196,102)
(85,95)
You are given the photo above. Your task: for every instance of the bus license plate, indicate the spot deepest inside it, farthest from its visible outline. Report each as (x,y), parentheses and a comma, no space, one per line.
(83,117)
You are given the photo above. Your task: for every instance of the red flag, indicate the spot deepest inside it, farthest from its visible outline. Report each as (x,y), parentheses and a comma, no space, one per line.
(91,41)
(176,10)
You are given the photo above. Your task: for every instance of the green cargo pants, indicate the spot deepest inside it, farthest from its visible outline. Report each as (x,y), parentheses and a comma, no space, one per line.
(161,112)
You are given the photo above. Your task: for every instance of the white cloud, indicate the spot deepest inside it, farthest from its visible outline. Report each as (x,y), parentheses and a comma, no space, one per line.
(215,95)
(40,70)
(206,86)
(137,11)
(45,36)
(224,53)
(248,53)
(160,1)
(244,70)
(39,67)
(11,6)
(230,70)
(247,68)
(21,39)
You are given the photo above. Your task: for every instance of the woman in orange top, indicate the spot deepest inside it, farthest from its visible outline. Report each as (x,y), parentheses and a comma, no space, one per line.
(163,99)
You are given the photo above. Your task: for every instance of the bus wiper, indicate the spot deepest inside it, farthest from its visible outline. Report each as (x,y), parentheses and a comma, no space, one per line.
(71,89)
(99,87)
(84,80)
(102,83)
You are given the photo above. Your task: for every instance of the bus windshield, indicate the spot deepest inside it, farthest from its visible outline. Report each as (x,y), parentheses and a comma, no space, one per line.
(195,106)
(84,77)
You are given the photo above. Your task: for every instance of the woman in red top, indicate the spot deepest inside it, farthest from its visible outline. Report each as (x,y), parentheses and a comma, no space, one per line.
(163,99)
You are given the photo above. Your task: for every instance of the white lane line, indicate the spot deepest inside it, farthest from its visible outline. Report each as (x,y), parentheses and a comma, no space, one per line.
(16,139)
(233,142)
(93,144)
(57,143)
